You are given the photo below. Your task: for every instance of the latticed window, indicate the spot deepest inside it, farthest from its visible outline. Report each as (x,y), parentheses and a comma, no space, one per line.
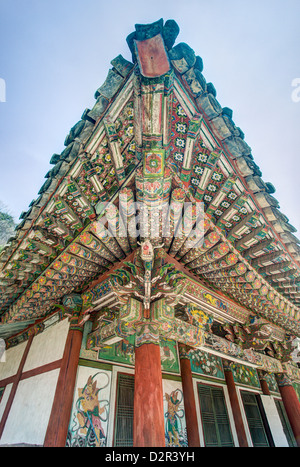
(124,411)
(215,420)
(255,420)
(285,424)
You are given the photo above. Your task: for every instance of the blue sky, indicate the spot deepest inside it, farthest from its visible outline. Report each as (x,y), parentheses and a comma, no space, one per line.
(55,53)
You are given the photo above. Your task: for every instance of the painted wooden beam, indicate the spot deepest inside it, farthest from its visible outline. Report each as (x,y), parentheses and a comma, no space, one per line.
(258,233)
(191,141)
(221,194)
(260,246)
(207,172)
(260,260)
(231,211)
(115,149)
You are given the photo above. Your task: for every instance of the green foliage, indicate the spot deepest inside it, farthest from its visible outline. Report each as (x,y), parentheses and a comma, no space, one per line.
(7,226)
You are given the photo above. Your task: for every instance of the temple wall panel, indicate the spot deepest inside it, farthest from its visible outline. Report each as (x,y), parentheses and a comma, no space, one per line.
(89,419)
(48,346)
(274,421)
(96,392)
(103,368)
(175,423)
(28,381)
(29,415)
(94,413)
(12,361)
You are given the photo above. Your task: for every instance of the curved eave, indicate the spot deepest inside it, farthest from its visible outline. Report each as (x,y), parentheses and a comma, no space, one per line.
(45,247)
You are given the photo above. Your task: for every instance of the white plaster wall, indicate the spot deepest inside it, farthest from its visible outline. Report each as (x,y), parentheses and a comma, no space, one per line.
(29,415)
(274,421)
(12,361)
(47,346)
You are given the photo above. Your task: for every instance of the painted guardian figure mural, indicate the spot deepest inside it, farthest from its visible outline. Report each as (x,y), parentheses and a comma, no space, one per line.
(175,424)
(88,425)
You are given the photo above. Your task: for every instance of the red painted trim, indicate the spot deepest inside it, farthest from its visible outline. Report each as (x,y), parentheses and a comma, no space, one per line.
(264,387)
(34,372)
(8,380)
(42,369)
(189,403)
(116,404)
(236,410)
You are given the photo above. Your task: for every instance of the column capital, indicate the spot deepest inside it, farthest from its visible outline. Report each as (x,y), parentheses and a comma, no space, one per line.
(227,364)
(36,329)
(147,333)
(184,351)
(75,325)
(262,374)
(73,303)
(283,379)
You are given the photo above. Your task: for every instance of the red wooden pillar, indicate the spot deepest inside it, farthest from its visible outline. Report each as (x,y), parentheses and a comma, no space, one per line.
(263,383)
(57,430)
(237,415)
(148,417)
(189,398)
(291,403)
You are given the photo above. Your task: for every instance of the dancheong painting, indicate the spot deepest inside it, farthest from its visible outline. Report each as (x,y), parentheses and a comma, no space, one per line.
(89,419)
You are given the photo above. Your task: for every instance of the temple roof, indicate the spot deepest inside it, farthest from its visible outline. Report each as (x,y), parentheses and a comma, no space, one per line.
(250,252)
